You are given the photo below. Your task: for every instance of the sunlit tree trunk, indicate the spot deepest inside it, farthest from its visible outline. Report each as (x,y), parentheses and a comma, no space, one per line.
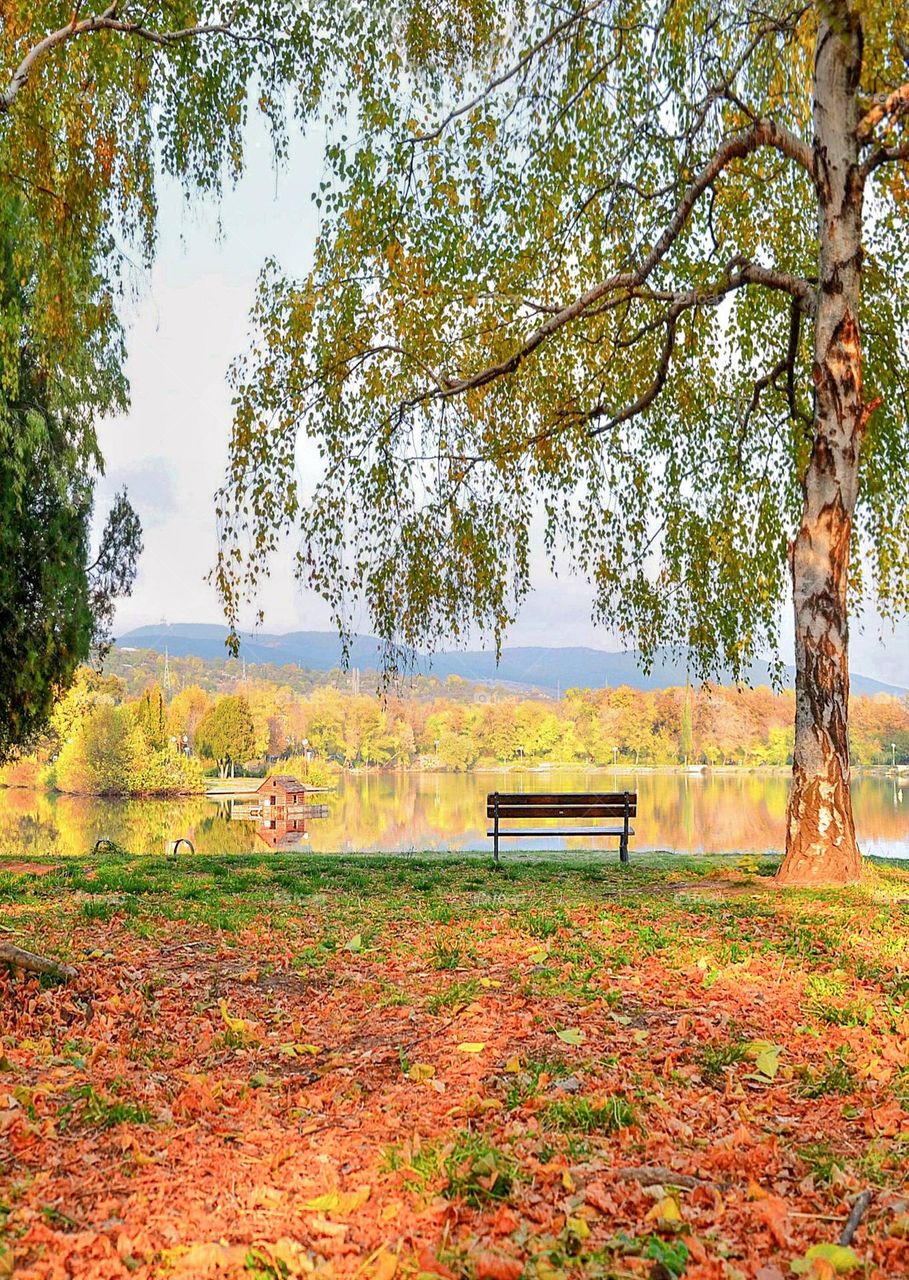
(820,837)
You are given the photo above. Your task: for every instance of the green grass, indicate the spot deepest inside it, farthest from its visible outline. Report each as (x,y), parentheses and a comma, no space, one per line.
(714,1059)
(837,1077)
(88,1106)
(583,1115)
(454,996)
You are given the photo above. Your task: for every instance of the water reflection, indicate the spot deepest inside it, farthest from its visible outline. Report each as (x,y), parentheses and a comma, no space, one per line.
(688,813)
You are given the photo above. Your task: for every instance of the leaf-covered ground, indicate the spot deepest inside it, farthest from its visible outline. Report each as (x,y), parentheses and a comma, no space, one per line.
(276,1066)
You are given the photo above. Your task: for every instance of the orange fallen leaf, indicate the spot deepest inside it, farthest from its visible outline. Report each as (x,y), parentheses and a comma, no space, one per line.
(497,1266)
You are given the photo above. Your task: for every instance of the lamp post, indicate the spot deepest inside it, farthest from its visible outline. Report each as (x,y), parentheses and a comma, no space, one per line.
(892,755)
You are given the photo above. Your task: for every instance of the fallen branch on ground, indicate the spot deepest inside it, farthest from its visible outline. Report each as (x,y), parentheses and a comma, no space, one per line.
(652,1175)
(859,1210)
(18,959)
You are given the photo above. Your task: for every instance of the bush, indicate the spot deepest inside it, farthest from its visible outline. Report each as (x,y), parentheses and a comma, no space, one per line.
(108,754)
(315,773)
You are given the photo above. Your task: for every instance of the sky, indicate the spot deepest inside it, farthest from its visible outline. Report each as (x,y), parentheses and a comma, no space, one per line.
(190,319)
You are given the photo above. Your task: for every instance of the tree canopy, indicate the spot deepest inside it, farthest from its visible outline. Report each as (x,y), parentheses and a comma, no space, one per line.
(226,732)
(635,271)
(583,287)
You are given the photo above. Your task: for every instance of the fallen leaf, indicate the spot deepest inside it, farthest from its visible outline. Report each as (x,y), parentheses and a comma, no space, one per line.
(840,1260)
(337,1201)
(665,1210)
(471,1046)
(421,1071)
(497,1266)
(240,1025)
(383,1266)
(571,1035)
(774,1213)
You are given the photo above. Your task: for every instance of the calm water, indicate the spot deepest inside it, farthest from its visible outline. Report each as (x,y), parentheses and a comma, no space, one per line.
(690,813)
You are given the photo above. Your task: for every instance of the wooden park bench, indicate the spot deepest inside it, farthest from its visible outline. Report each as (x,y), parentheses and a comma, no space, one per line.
(576,807)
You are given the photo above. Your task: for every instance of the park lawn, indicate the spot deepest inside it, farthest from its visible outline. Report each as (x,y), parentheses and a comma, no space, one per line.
(276,1066)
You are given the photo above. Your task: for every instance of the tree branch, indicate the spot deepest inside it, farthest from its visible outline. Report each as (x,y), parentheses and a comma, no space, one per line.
(891,108)
(512,71)
(647,397)
(885,155)
(764,133)
(106,21)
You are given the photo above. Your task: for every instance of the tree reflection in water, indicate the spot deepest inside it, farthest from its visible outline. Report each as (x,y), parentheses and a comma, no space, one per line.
(686,813)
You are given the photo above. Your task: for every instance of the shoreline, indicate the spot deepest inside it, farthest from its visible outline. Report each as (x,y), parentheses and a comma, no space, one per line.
(899,774)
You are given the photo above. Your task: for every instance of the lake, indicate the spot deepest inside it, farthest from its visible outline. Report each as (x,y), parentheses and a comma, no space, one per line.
(403,812)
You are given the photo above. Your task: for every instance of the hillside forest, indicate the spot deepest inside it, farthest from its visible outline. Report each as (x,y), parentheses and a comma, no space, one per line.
(122,733)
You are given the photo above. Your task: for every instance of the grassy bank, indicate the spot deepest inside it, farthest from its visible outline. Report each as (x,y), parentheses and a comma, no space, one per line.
(279,1065)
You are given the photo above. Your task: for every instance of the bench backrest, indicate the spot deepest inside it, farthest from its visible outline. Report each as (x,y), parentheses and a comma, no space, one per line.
(563,804)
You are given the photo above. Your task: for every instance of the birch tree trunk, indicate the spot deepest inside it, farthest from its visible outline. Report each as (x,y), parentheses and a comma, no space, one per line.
(820,837)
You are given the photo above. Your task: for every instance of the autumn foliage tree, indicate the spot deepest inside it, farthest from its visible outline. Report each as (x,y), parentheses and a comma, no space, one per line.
(638,267)
(226,733)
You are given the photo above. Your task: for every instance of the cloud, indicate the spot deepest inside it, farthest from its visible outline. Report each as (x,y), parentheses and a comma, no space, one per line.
(152,485)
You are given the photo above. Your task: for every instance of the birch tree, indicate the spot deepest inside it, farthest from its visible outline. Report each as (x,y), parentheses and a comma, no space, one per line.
(634,269)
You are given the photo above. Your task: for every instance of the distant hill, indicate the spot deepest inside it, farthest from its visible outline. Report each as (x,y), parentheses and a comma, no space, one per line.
(523,667)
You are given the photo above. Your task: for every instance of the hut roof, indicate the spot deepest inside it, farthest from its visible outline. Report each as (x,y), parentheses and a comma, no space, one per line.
(282,782)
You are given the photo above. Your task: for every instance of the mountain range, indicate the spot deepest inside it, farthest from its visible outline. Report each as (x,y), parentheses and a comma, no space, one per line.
(533,667)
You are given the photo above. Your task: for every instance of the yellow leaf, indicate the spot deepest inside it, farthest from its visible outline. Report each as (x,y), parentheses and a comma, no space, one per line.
(513,1066)
(384,1265)
(571,1035)
(578,1228)
(665,1210)
(338,1201)
(568,1181)
(489,982)
(472,1047)
(238,1025)
(391,1210)
(421,1071)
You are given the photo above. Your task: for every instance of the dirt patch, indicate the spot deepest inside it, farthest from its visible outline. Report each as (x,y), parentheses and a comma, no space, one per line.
(29,868)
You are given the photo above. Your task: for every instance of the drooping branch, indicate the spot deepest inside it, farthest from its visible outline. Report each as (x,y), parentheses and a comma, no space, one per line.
(497,81)
(803,301)
(105,21)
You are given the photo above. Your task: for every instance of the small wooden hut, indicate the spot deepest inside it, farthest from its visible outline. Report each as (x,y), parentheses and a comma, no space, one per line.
(281,792)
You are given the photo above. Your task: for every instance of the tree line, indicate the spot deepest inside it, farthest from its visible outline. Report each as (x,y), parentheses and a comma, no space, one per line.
(104,740)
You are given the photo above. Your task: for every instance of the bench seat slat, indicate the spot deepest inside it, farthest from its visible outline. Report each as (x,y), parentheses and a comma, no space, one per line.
(564,831)
(562,797)
(562,811)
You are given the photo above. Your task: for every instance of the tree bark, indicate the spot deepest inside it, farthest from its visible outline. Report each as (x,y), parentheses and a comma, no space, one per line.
(820,837)
(16,958)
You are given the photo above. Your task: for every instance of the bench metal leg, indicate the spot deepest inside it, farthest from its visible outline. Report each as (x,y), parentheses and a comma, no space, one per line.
(623,843)
(495,838)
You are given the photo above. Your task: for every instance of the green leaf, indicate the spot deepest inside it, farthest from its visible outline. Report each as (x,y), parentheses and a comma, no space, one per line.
(571,1035)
